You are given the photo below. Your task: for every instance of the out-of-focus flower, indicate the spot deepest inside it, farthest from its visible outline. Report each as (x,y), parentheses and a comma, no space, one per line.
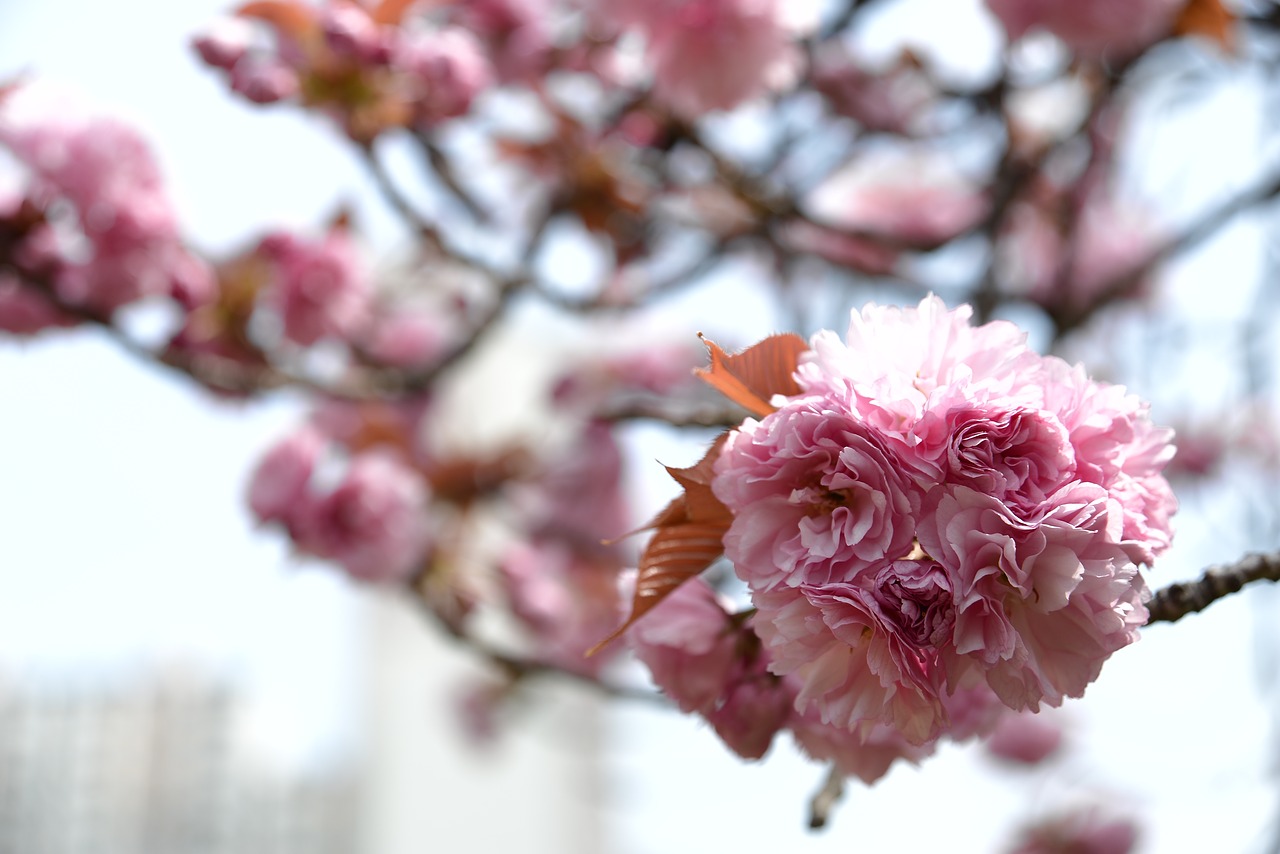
(896,204)
(892,100)
(118,242)
(281,482)
(1071,269)
(1084,831)
(373,523)
(1025,738)
(320,289)
(448,68)
(709,55)
(1091,27)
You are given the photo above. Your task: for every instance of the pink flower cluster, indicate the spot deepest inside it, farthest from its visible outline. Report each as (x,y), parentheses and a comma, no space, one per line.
(370,518)
(361,64)
(560,577)
(940,511)
(108,233)
(712,663)
(709,54)
(1091,27)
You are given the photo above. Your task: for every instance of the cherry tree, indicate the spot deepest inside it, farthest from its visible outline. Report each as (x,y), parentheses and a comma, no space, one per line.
(927,510)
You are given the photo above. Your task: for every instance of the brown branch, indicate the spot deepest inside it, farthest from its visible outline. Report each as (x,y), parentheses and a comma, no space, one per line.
(1177,600)
(825,799)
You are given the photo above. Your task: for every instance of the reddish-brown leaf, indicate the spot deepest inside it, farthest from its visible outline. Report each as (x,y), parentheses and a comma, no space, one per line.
(1209,19)
(688,536)
(288,16)
(392,11)
(756,374)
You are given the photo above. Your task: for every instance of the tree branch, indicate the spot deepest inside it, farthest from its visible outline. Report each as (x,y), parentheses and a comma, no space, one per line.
(1177,600)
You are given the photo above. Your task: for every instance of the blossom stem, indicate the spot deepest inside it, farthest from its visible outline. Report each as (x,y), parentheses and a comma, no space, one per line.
(1177,600)
(825,799)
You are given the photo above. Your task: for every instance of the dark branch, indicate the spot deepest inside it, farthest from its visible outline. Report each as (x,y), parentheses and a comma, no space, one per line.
(1177,600)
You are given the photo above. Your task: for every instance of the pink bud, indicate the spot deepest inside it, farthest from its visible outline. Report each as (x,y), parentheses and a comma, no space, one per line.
(224,42)
(279,484)
(262,80)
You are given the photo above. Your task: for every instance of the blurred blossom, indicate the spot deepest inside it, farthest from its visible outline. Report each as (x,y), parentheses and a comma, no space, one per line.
(1091,28)
(708,55)
(901,201)
(320,289)
(889,101)
(1069,269)
(120,243)
(1026,738)
(1083,831)
(373,523)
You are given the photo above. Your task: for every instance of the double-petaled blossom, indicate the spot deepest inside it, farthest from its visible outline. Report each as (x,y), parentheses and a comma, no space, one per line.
(372,521)
(560,578)
(319,288)
(712,663)
(709,55)
(937,508)
(113,236)
(1091,27)
(1082,831)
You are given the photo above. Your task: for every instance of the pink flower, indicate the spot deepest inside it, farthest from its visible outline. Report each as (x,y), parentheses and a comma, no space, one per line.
(567,599)
(712,664)
(449,69)
(938,508)
(280,484)
(891,101)
(320,289)
(689,644)
(224,42)
(1070,276)
(407,339)
(1025,739)
(24,311)
(1091,27)
(373,523)
(710,54)
(124,242)
(902,200)
(816,497)
(1085,831)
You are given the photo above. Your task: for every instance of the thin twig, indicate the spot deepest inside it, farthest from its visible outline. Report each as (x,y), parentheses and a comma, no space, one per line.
(825,799)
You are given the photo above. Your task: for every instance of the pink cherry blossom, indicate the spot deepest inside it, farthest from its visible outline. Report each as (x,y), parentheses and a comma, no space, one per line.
(373,522)
(566,598)
(689,644)
(123,244)
(709,54)
(24,311)
(449,69)
(1025,739)
(407,339)
(890,100)
(901,200)
(1091,27)
(816,496)
(939,508)
(1070,274)
(320,289)
(280,483)
(1084,831)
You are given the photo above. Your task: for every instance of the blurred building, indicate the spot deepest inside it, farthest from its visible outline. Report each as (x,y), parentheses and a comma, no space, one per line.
(147,766)
(159,763)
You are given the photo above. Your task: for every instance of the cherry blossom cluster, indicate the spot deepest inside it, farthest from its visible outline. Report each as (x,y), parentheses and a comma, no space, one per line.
(933,512)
